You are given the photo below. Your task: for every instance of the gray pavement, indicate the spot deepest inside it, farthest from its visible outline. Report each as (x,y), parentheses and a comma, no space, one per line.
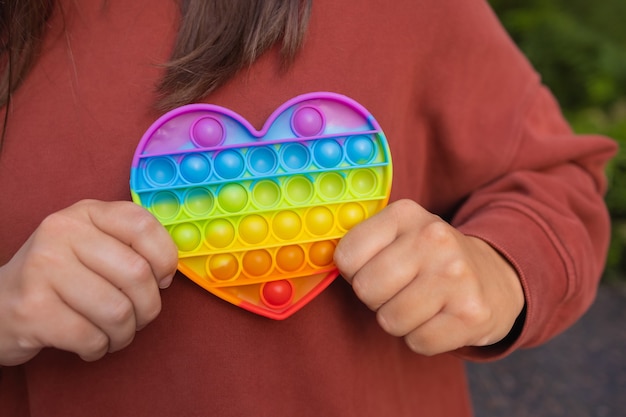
(580,373)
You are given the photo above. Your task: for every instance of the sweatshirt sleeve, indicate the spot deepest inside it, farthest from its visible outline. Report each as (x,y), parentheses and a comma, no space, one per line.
(546,214)
(503,165)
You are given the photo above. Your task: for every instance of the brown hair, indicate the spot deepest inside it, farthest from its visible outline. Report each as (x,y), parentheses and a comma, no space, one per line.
(216,38)
(22,24)
(219,37)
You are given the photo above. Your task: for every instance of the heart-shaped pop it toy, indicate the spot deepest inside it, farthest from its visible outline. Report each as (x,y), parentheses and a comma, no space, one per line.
(256,215)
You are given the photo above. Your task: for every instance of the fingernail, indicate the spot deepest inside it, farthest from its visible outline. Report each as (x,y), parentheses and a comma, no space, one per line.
(166,282)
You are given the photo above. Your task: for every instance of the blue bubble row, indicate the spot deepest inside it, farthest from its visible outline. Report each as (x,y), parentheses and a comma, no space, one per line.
(258,161)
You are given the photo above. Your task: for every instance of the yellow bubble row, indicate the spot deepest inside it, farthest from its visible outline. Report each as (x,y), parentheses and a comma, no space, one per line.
(255,229)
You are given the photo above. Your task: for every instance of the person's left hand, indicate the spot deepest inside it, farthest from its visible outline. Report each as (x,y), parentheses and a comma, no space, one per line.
(438,288)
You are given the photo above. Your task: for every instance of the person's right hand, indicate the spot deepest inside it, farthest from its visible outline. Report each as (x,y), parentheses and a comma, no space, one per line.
(85,281)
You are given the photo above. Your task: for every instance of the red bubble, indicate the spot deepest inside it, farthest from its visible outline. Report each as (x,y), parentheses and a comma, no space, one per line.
(277,294)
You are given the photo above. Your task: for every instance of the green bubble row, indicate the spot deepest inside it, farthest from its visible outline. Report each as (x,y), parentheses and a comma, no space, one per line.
(266,194)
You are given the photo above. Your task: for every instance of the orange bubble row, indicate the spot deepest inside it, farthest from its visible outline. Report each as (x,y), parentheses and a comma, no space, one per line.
(261,263)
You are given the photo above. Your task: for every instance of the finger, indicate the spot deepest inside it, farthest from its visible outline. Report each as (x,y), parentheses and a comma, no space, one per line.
(443,333)
(77,335)
(137,228)
(69,330)
(413,306)
(369,237)
(126,270)
(381,279)
(100,303)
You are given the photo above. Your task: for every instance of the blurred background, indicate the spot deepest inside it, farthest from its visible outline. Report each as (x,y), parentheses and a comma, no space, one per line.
(579,48)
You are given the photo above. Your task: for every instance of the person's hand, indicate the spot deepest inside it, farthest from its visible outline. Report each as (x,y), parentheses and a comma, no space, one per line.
(439,289)
(85,281)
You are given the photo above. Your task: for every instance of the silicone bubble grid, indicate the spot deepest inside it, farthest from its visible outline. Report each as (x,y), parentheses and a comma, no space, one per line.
(256,215)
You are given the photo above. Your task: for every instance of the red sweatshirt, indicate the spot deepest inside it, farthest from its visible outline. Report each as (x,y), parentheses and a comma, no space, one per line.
(475,138)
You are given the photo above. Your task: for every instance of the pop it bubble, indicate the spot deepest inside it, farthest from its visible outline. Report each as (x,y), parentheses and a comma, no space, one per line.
(256,215)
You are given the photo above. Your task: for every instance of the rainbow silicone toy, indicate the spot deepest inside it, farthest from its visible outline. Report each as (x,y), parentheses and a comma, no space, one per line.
(256,215)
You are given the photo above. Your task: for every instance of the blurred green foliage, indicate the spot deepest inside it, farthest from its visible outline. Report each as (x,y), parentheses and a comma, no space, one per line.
(579,48)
